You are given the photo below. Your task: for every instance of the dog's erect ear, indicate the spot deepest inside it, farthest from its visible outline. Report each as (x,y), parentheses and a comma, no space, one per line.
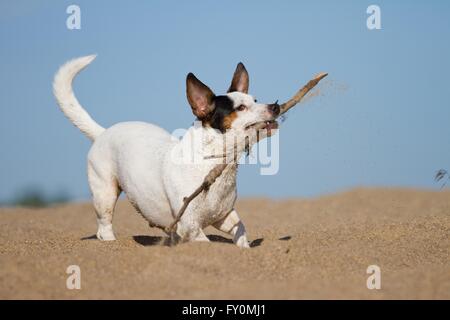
(240,79)
(200,97)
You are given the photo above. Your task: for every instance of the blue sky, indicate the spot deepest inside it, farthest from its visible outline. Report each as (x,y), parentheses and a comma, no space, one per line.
(383,119)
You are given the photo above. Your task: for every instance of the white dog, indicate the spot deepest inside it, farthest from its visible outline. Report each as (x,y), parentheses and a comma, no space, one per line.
(140,159)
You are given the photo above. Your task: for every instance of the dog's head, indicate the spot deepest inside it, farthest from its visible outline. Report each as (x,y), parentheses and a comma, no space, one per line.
(235,110)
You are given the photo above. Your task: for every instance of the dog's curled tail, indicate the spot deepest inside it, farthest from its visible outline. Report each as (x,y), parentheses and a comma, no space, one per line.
(62,89)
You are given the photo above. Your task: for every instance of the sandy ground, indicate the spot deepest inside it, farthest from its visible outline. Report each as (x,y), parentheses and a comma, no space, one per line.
(315,248)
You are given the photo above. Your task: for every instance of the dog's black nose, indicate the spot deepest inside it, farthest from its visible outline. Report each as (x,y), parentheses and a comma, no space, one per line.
(275,108)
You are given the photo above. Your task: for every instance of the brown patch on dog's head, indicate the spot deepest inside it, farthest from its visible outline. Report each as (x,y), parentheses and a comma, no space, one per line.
(228,120)
(223,114)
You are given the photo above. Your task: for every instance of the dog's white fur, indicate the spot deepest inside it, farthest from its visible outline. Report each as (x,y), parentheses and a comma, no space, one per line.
(137,158)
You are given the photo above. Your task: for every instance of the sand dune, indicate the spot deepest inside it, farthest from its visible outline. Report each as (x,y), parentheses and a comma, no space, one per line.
(315,248)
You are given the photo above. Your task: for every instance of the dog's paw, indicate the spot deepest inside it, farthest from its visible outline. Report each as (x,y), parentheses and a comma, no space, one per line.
(242,242)
(105,234)
(106,237)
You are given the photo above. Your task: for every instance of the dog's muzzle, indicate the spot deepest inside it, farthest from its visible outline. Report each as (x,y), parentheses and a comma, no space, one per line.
(274,108)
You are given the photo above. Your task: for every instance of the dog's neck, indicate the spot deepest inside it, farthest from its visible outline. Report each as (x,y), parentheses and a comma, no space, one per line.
(206,145)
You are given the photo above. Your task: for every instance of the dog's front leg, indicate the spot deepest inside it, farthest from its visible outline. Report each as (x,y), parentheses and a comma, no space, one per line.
(233,225)
(201,236)
(174,238)
(189,232)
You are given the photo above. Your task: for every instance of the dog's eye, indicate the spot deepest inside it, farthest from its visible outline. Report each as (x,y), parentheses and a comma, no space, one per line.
(241,108)
(256,100)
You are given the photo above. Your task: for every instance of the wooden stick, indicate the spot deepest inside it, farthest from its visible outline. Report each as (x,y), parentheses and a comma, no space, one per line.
(301,93)
(218,169)
(207,182)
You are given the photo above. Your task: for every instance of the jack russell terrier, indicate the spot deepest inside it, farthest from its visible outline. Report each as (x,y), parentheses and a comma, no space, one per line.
(140,159)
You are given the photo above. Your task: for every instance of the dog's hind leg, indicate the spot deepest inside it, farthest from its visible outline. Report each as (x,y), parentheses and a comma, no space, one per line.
(233,225)
(105,192)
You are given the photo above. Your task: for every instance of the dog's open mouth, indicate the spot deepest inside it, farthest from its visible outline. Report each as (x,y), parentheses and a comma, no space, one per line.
(267,125)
